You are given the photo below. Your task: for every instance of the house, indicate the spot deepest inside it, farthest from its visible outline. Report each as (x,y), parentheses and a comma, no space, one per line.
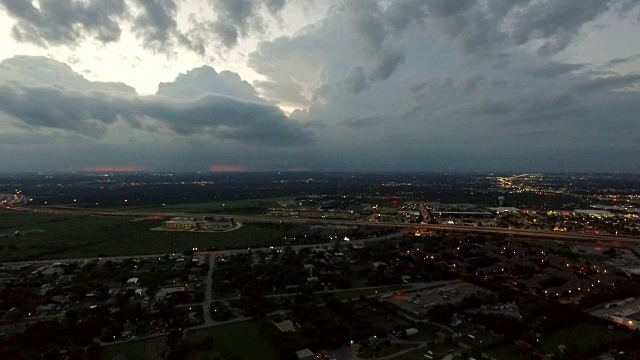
(378,265)
(305,354)
(285,326)
(132,281)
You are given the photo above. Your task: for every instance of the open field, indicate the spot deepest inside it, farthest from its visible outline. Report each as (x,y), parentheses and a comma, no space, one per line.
(250,206)
(241,340)
(344,295)
(230,341)
(372,352)
(67,236)
(440,350)
(146,349)
(584,337)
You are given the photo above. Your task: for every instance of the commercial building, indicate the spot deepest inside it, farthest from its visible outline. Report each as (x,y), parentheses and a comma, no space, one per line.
(328,214)
(464,217)
(199,223)
(624,312)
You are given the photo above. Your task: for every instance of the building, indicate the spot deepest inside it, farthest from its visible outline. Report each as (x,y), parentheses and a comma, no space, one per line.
(199,223)
(410,215)
(305,354)
(329,214)
(464,217)
(179,223)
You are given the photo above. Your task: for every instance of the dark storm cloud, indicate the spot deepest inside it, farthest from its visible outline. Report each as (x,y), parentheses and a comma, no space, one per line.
(482,29)
(558,22)
(157,27)
(68,22)
(554,69)
(443,8)
(90,108)
(226,32)
(356,81)
(386,65)
(248,123)
(606,84)
(54,108)
(90,114)
(624,60)
(156,23)
(377,30)
(65,22)
(479,29)
(275,6)
(237,18)
(359,123)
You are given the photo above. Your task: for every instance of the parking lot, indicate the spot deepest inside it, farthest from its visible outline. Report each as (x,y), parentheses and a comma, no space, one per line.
(420,302)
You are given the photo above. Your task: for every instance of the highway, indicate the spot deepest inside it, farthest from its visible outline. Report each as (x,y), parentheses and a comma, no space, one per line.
(536,234)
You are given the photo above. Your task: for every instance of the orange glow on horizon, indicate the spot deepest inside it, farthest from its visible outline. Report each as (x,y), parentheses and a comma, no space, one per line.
(112,168)
(227,168)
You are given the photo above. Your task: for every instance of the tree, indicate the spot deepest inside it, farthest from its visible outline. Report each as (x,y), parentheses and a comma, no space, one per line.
(174,337)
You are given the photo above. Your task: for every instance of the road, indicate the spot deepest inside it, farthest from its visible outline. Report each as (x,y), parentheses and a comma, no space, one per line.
(105,258)
(206,305)
(537,234)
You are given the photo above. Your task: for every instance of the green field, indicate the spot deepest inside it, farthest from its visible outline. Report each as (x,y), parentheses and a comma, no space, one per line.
(241,340)
(67,236)
(350,294)
(384,350)
(147,349)
(585,336)
(440,350)
(236,206)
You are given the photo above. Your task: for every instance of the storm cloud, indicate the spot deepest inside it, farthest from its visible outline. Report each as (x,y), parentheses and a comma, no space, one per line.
(214,111)
(414,85)
(66,21)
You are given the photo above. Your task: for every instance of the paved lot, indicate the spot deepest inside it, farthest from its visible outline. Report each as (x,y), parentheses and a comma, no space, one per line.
(420,301)
(626,309)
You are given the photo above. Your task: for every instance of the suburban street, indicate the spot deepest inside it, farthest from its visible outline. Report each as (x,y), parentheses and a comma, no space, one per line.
(206,305)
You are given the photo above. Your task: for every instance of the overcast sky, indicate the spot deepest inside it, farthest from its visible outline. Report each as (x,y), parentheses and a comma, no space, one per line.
(348,85)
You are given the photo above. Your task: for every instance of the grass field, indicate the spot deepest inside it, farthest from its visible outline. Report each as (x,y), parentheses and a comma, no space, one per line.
(385,350)
(250,205)
(585,336)
(505,352)
(439,350)
(67,236)
(241,340)
(147,349)
(343,295)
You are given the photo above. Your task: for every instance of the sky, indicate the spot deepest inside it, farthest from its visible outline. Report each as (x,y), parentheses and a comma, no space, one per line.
(320,85)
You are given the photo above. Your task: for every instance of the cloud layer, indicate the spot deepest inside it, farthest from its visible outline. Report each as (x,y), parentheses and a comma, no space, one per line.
(225,108)
(370,85)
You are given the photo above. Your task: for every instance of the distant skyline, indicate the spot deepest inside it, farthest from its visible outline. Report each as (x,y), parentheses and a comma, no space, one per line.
(325,85)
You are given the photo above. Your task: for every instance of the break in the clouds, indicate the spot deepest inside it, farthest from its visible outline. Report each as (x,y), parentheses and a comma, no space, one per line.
(327,85)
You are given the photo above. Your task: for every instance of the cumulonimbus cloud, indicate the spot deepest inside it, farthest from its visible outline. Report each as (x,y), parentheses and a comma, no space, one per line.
(89,111)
